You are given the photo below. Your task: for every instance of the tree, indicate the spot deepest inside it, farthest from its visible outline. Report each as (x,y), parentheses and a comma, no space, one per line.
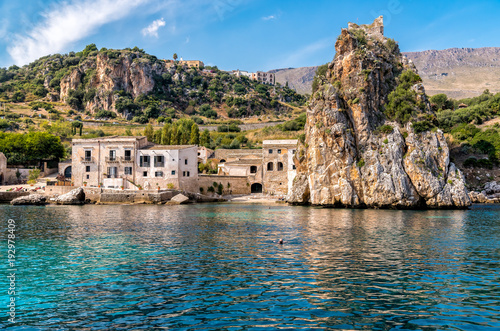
(149,132)
(205,138)
(175,56)
(195,134)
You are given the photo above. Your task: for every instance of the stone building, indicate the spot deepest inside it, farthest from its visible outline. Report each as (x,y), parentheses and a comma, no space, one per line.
(130,162)
(278,167)
(192,63)
(264,77)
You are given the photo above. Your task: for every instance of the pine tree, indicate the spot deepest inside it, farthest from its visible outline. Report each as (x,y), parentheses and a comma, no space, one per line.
(195,135)
(165,135)
(149,132)
(205,138)
(173,136)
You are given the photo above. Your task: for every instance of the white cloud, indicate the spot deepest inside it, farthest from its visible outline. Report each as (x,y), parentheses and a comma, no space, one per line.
(66,24)
(152,29)
(300,57)
(268,18)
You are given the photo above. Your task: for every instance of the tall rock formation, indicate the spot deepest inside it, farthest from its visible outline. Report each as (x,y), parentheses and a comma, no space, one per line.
(352,155)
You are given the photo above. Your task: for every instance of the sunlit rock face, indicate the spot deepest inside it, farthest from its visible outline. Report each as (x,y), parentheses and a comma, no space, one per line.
(346,159)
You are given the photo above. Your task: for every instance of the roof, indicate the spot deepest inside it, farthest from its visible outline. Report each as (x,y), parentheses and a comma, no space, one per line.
(166,147)
(244,162)
(280,142)
(110,138)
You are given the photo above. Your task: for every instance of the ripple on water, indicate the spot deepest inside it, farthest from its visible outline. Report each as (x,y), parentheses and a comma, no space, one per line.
(220,267)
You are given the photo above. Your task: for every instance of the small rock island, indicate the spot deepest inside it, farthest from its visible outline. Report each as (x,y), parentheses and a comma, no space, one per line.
(370,139)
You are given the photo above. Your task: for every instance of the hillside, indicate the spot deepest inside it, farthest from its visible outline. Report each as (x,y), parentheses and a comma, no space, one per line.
(137,86)
(299,79)
(457,72)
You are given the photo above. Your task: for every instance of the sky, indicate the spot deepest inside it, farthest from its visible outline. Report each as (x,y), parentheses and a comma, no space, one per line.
(236,34)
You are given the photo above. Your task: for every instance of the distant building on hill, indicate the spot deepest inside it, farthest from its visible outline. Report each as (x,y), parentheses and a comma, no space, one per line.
(192,64)
(264,77)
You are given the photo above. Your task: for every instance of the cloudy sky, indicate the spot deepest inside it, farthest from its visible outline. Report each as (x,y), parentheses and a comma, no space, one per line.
(236,34)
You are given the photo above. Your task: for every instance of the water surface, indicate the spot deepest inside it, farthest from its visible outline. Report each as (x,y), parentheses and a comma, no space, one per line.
(218,266)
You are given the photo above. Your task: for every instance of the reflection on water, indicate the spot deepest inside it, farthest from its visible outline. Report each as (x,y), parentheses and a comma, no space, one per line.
(219,266)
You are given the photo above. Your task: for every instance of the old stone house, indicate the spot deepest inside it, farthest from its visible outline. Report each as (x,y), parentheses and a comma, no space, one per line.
(132,162)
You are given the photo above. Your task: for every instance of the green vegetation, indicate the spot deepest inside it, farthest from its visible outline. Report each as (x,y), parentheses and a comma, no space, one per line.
(385,129)
(402,102)
(296,124)
(319,76)
(30,148)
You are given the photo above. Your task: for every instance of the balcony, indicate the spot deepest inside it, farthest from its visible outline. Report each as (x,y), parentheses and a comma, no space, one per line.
(159,164)
(126,159)
(110,159)
(145,165)
(87,159)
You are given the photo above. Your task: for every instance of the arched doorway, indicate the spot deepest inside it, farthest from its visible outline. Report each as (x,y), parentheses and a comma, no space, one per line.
(256,188)
(67,172)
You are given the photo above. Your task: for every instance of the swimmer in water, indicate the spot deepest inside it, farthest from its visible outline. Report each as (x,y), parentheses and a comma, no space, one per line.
(280,241)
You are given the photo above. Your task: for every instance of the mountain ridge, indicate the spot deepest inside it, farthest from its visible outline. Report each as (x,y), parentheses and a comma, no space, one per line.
(457,72)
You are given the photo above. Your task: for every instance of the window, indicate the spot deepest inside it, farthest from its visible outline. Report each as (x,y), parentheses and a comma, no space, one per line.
(159,161)
(88,155)
(88,176)
(279,151)
(112,172)
(144,161)
(144,174)
(186,161)
(173,172)
(293,151)
(128,155)
(253,169)
(270,151)
(87,168)
(280,166)
(270,166)
(128,170)
(294,167)
(159,174)
(185,173)
(112,155)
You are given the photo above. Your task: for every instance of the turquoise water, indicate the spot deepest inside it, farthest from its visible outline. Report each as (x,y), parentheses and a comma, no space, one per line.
(218,266)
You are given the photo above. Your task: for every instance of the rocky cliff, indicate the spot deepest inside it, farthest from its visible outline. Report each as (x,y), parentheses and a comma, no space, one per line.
(352,155)
(131,73)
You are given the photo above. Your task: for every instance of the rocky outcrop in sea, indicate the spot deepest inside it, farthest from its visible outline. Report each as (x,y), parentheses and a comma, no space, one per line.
(352,155)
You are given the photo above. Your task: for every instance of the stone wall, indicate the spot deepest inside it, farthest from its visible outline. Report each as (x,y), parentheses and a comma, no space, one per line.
(238,184)
(100,195)
(6,197)
(229,154)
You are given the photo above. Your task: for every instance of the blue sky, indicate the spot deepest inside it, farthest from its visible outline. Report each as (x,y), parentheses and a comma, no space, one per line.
(236,34)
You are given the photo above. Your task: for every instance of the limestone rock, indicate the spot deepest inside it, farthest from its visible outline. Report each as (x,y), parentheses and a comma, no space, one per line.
(478,197)
(345,160)
(32,199)
(178,200)
(73,197)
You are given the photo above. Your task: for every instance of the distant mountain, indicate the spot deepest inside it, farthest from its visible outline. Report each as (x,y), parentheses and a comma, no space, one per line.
(457,72)
(299,79)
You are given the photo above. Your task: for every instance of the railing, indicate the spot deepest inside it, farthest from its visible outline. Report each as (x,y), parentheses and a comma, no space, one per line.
(112,176)
(126,159)
(87,159)
(159,164)
(111,159)
(145,164)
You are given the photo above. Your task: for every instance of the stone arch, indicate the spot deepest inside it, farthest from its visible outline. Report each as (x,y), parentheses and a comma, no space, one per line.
(270,166)
(67,172)
(279,166)
(253,169)
(256,188)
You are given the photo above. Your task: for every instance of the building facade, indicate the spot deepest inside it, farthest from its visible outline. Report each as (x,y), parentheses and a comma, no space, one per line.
(132,162)
(264,77)
(278,167)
